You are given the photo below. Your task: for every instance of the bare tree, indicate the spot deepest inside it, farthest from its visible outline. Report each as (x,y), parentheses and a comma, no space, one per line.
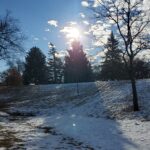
(11,37)
(131,20)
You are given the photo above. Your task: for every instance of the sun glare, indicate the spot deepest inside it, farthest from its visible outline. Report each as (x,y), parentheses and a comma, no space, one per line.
(73,33)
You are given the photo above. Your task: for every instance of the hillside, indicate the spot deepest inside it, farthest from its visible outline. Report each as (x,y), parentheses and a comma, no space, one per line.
(55,117)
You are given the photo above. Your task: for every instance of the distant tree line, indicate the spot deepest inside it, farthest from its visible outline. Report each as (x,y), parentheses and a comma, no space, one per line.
(74,68)
(114,68)
(38,70)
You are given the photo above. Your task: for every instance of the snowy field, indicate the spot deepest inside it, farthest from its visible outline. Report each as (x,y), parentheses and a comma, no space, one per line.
(55,117)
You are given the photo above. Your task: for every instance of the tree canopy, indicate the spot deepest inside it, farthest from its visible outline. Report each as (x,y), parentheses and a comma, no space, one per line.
(35,67)
(113,67)
(55,66)
(77,66)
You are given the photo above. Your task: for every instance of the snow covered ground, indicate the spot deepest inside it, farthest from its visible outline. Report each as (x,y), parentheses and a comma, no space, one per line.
(54,117)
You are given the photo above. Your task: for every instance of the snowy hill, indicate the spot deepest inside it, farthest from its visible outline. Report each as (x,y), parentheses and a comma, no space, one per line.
(56,117)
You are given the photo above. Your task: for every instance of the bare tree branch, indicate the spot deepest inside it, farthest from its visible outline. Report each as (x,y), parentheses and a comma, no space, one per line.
(11,37)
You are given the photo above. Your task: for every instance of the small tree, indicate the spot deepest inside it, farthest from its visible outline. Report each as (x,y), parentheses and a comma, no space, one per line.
(77,66)
(13,77)
(35,67)
(131,20)
(55,66)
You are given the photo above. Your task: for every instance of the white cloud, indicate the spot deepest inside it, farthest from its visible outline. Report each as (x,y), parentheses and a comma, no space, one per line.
(73,23)
(47,30)
(88,50)
(146,2)
(65,29)
(101,34)
(86,22)
(82,15)
(85,3)
(144,55)
(96,3)
(50,45)
(53,23)
(86,33)
(101,54)
(36,39)
(61,54)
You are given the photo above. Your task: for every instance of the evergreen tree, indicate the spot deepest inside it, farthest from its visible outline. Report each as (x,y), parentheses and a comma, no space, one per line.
(96,72)
(77,66)
(113,67)
(35,67)
(55,66)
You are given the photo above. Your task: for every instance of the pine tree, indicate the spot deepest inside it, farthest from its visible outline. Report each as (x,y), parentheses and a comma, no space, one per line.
(55,66)
(113,66)
(77,66)
(35,67)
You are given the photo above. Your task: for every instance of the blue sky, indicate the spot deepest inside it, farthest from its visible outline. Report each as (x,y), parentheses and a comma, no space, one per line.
(34,15)
(44,21)
(64,16)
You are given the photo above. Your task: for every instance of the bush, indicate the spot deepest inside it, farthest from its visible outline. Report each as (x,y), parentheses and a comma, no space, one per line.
(13,78)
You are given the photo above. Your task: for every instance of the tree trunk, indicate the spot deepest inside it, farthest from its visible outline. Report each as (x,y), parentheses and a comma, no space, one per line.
(55,74)
(77,88)
(133,83)
(135,97)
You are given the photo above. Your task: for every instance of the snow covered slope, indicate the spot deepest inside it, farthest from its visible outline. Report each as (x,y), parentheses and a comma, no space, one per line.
(56,117)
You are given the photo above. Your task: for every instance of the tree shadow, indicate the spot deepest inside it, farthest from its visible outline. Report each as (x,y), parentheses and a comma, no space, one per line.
(76,122)
(95,129)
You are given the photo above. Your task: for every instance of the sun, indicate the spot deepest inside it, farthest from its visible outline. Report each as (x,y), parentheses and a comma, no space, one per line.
(73,33)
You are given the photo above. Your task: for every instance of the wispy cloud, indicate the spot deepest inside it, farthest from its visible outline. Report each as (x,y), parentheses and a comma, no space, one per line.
(53,23)
(82,15)
(61,54)
(144,55)
(73,23)
(96,3)
(69,31)
(146,4)
(36,39)
(86,33)
(101,34)
(47,30)
(86,22)
(65,29)
(85,3)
